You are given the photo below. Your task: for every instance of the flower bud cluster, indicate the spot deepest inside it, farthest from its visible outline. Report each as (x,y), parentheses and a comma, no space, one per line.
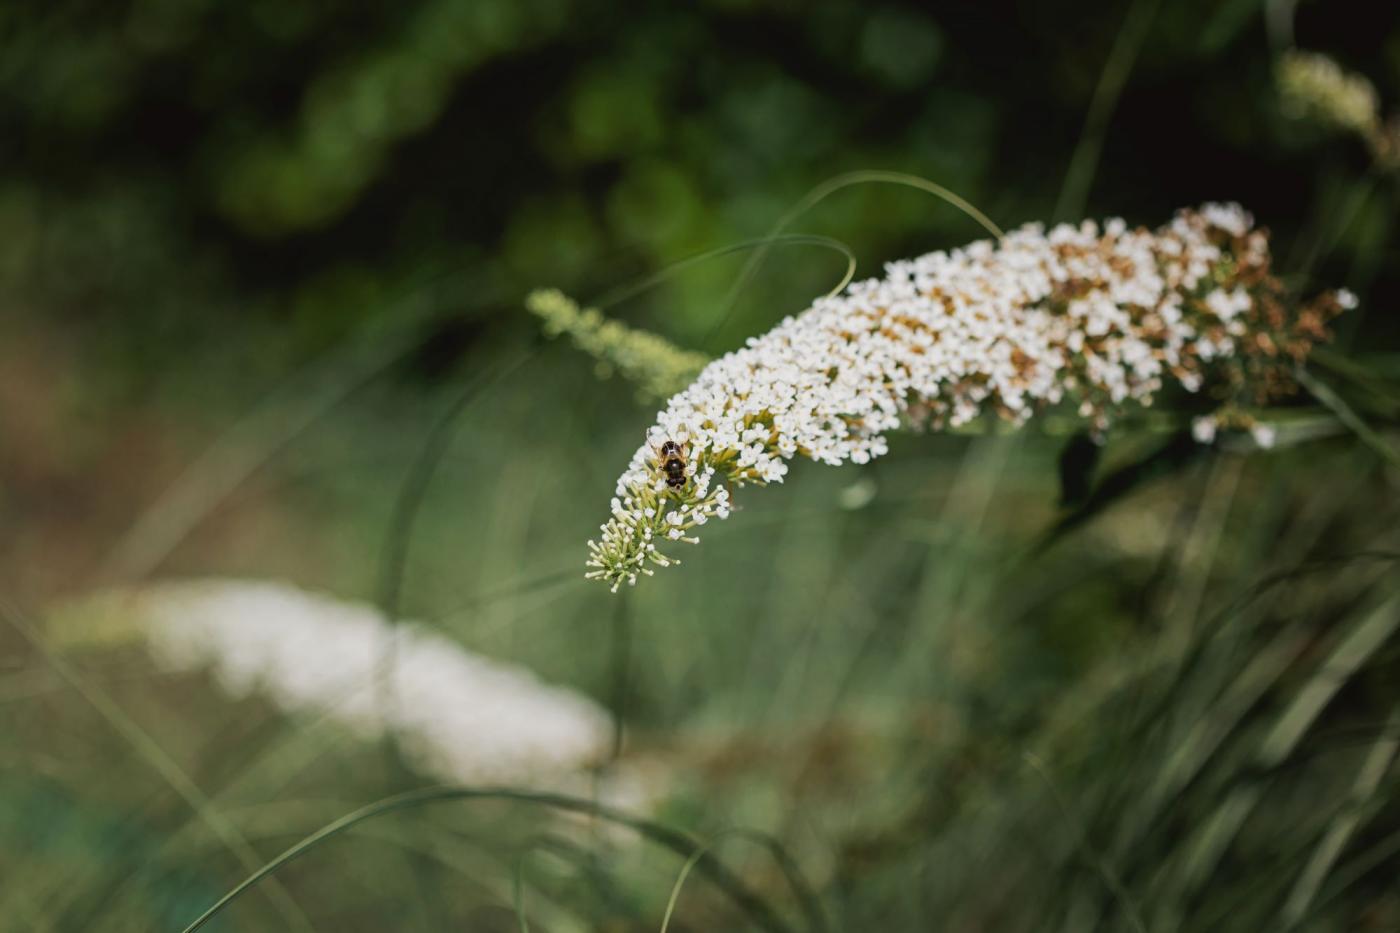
(650,362)
(1314,87)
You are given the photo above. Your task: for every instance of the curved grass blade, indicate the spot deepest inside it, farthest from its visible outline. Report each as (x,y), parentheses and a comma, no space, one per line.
(258,436)
(1092,855)
(680,883)
(822,191)
(1368,436)
(409,502)
(676,840)
(621,294)
(1362,639)
(517,893)
(1085,160)
(150,752)
(398,537)
(1377,855)
(1368,780)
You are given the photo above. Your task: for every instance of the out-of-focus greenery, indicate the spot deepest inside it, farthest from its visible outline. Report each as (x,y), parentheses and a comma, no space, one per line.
(252,253)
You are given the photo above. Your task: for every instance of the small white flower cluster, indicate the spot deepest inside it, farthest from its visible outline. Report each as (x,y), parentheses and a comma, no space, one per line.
(458,716)
(1204,429)
(1092,317)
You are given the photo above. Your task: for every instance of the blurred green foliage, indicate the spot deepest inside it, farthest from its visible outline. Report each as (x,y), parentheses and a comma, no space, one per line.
(183,169)
(290,232)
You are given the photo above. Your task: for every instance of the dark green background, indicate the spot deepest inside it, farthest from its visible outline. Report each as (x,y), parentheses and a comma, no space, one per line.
(323,218)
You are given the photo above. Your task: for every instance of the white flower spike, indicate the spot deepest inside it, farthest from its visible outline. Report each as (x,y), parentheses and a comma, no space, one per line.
(1092,318)
(460,717)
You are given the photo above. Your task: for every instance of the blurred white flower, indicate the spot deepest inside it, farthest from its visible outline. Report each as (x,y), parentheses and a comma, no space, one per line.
(458,716)
(858,494)
(1313,86)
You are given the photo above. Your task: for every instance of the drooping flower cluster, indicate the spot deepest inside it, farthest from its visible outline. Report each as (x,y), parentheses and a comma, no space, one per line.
(1092,318)
(458,716)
